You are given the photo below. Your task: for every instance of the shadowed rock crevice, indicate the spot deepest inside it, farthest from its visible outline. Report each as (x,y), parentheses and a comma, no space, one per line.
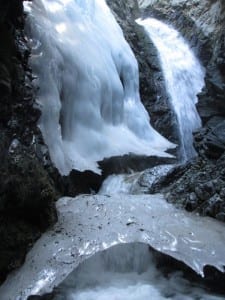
(27,193)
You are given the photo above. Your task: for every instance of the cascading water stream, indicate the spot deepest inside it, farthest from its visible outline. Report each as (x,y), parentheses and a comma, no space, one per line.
(89,87)
(128,272)
(184,78)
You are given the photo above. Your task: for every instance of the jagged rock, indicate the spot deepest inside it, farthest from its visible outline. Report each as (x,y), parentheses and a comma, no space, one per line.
(215,141)
(222,193)
(210,141)
(200,187)
(213,206)
(27,193)
(191,202)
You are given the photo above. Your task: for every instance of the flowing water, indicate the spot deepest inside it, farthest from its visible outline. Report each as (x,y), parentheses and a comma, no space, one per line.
(128,272)
(134,183)
(184,78)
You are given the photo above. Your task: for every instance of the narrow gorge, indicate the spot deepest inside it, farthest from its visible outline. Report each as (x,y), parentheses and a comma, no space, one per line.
(113,149)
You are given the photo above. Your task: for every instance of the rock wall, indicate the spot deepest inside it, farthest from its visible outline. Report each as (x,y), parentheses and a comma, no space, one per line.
(27,193)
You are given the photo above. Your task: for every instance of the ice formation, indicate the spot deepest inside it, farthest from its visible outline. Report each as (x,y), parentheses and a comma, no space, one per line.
(89,85)
(128,271)
(89,224)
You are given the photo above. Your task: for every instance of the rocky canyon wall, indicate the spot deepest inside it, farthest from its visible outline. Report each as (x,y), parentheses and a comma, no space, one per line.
(27,193)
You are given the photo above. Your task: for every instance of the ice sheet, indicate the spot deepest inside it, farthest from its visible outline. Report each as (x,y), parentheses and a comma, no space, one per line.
(88,224)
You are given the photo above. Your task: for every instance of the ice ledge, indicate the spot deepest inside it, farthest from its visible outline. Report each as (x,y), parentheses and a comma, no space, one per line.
(88,224)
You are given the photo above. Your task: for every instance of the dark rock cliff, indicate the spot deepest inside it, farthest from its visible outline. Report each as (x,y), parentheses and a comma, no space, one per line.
(27,193)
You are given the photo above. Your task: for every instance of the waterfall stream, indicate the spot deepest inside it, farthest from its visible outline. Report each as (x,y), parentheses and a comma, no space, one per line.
(184,78)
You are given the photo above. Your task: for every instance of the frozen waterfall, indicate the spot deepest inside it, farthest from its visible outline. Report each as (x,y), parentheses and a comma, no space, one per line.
(184,77)
(89,87)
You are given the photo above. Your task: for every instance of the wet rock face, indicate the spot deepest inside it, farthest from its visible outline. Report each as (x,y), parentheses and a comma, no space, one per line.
(197,186)
(200,187)
(211,100)
(210,141)
(27,194)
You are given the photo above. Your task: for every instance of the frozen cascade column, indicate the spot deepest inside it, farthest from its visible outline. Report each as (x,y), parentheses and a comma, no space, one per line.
(184,78)
(88,85)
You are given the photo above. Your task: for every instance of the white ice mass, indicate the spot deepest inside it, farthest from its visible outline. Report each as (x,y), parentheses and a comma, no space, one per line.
(88,85)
